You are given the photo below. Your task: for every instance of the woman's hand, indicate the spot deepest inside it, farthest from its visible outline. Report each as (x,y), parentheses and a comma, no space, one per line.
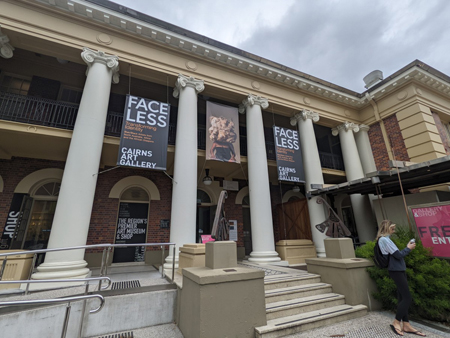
(411,246)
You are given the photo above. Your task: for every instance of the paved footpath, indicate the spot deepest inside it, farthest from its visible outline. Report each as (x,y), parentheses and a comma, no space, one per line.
(374,325)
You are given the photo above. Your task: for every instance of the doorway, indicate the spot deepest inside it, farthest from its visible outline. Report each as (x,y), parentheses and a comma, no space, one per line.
(205,215)
(247,225)
(132,222)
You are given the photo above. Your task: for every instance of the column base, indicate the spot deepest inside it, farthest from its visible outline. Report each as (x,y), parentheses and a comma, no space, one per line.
(321,252)
(60,270)
(264,257)
(169,261)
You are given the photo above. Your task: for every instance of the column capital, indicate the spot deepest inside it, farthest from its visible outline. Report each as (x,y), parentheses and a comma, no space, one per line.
(303,115)
(184,81)
(111,61)
(364,127)
(251,100)
(6,50)
(346,126)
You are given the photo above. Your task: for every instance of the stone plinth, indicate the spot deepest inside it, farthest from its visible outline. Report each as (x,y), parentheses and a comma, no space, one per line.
(221,302)
(220,255)
(191,255)
(340,248)
(295,251)
(348,277)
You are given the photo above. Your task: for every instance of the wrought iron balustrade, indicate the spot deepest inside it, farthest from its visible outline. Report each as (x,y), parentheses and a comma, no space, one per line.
(51,113)
(35,110)
(331,161)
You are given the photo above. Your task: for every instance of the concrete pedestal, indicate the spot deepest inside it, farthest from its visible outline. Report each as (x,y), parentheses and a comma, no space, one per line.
(221,255)
(221,299)
(339,248)
(17,268)
(348,277)
(295,251)
(221,302)
(191,255)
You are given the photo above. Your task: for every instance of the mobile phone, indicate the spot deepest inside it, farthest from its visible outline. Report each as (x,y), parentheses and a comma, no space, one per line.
(412,241)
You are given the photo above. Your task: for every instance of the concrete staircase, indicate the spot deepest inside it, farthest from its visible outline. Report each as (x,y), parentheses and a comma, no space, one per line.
(300,302)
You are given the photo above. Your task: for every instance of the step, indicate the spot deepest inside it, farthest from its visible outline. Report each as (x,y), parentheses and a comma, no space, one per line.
(284,281)
(302,305)
(292,292)
(281,327)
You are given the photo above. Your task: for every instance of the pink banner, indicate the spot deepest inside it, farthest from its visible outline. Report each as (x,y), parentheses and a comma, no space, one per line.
(207,238)
(433,227)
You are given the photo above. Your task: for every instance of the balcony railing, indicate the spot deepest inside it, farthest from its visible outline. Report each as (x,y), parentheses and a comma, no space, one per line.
(331,161)
(45,112)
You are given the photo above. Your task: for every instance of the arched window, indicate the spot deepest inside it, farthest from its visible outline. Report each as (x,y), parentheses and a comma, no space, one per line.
(203,197)
(45,196)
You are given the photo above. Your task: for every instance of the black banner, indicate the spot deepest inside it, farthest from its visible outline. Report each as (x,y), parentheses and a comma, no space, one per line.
(131,228)
(145,132)
(12,221)
(289,155)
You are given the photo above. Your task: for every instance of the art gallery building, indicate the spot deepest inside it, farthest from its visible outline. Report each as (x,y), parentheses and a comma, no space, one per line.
(66,67)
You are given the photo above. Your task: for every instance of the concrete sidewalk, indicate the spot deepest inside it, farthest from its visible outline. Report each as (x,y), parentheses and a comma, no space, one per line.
(374,325)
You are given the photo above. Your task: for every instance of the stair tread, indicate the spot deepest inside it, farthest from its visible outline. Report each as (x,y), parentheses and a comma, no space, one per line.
(299,319)
(290,289)
(288,278)
(281,305)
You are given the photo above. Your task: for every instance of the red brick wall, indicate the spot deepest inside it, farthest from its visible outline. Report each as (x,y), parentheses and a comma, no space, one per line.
(442,132)
(396,138)
(379,149)
(12,172)
(104,215)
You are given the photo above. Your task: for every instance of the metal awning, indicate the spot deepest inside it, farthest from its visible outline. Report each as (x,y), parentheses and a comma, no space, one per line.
(418,175)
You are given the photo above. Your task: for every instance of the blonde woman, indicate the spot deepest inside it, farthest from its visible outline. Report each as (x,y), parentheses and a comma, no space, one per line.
(397,271)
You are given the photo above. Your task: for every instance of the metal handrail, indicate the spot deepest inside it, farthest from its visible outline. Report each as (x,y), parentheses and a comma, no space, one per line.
(105,257)
(33,281)
(67,300)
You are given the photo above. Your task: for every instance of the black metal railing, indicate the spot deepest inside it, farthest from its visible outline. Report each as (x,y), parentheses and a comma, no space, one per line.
(51,113)
(331,161)
(34,110)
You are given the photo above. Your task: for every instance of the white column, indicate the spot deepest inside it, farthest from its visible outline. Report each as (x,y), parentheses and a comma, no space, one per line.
(353,170)
(184,194)
(76,197)
(365,150)
(263,241)
(6,50)
(313,172)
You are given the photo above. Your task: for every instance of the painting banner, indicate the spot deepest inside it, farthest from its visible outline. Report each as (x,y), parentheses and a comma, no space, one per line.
(222,133)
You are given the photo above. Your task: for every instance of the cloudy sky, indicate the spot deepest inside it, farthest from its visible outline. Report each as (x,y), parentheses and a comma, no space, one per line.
(339,41)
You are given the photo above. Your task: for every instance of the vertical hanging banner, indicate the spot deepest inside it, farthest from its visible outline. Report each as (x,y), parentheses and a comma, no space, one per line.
(12,220)
(145,132)
(289,155)
(433,226)
(222,137)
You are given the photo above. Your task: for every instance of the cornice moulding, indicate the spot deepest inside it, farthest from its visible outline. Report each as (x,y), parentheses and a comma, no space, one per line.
(118,21)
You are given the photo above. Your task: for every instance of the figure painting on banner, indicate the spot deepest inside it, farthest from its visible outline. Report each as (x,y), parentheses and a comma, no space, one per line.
(222,140)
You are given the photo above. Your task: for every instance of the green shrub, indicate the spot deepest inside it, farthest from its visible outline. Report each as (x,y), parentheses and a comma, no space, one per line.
(428,279)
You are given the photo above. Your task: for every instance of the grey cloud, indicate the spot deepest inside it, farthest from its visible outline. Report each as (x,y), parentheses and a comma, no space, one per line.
(341,41)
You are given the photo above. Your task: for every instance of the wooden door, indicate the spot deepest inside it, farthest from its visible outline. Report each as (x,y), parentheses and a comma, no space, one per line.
(293,220)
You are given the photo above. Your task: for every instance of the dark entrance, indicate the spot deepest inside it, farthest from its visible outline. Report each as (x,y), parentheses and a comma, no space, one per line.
(131,228)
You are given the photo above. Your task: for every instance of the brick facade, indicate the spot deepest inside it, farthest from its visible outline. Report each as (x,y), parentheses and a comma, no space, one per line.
(378,144)
(442,132)
(104,214)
